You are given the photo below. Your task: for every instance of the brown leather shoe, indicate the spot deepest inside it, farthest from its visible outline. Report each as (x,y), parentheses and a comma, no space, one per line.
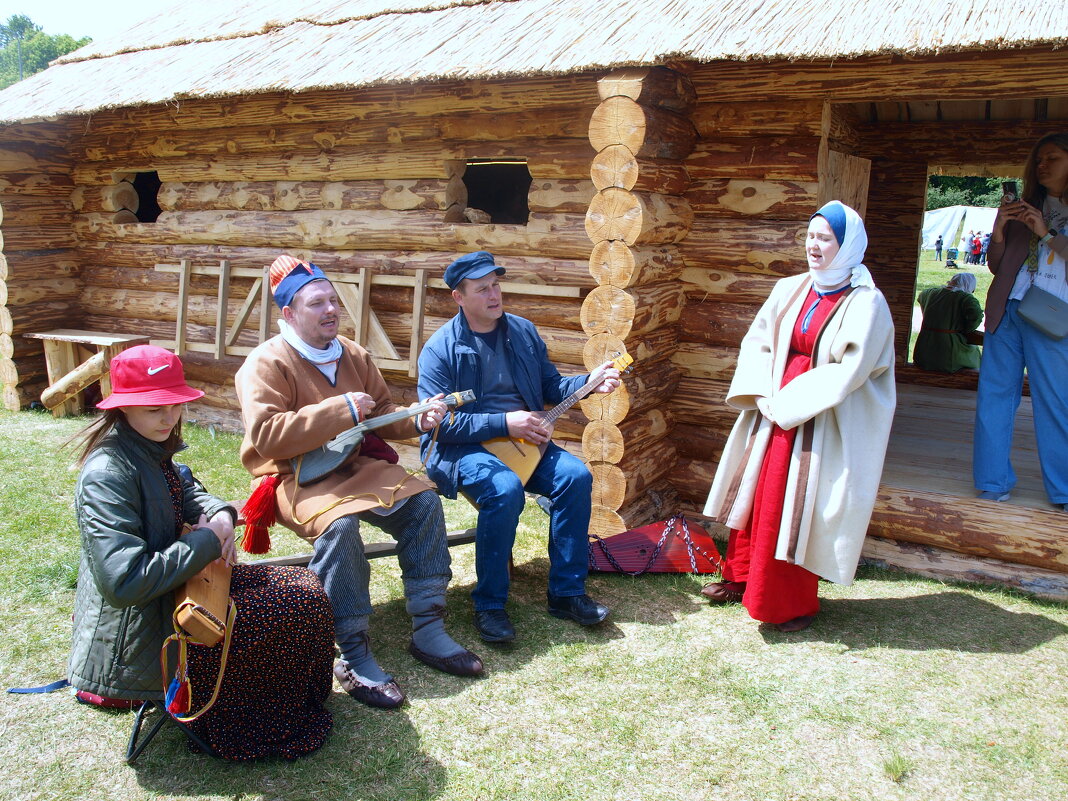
(386,695)
(724,592)
(797,624)
(464,663)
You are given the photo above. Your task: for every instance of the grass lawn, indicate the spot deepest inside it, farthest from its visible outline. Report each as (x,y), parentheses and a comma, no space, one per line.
(932,273)
(904,688)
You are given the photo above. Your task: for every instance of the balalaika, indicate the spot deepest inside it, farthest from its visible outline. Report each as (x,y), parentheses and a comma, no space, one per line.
(319,463)
(522,456)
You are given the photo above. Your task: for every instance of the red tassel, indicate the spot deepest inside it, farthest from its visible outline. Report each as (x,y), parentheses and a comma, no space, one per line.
(260,514)
(179,702)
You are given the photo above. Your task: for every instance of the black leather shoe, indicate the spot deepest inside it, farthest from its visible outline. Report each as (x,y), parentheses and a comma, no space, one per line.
(464,663)
(494,626)
(386,695)
(580,608)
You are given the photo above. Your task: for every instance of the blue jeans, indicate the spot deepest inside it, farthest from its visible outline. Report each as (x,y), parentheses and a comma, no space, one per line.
(495,489)
(1006,352)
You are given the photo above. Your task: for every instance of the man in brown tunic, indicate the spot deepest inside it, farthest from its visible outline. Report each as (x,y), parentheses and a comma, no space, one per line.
(297,391)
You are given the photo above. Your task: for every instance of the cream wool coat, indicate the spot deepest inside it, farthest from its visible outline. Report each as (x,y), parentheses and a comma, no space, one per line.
(844,405)
(288,408)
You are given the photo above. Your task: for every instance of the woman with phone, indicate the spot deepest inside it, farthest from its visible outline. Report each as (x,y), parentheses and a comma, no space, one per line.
(1028,247)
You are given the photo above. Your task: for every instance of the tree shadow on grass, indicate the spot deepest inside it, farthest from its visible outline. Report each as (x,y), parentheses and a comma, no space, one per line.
(948,620)
(369,754)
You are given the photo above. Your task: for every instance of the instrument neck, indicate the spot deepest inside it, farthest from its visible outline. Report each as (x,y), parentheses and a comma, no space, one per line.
(551,416)
(451,401)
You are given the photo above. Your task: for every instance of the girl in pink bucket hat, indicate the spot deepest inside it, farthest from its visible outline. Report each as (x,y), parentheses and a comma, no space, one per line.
(148,526)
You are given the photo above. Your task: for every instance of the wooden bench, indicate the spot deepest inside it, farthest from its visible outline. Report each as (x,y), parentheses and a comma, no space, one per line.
(373,550)
(66,376)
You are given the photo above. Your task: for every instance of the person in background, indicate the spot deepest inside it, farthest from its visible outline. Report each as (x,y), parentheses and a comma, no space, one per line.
(1028,247)
(799,474)
(977,247)
(966,246)
(951,314)
(986,248)
(938,248)
(147,527)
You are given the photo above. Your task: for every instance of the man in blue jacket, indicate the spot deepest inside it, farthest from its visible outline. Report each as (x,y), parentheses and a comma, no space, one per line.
(503,359)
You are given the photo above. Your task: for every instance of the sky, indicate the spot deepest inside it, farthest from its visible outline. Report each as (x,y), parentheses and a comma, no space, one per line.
(80,18)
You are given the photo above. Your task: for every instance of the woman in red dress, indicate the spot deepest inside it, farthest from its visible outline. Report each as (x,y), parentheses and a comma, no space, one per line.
(799,474)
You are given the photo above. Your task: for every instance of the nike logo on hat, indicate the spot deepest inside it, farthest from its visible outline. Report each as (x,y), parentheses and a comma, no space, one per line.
(154,370)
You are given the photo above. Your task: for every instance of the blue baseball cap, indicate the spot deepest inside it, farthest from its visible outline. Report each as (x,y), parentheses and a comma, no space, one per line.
(471,265)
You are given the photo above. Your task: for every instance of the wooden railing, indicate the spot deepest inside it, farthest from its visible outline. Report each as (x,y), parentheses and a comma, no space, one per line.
(354,292)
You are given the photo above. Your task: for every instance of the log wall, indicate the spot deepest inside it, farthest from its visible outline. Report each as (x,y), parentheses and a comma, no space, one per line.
(642,132)
(39,272)
(754,183)
(351,180)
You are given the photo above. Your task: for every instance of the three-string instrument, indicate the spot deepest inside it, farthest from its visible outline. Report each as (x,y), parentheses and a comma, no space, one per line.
(318,463)
(522,456)
(201,604)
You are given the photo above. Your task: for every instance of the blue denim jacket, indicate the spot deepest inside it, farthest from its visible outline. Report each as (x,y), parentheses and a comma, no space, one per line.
(449,362)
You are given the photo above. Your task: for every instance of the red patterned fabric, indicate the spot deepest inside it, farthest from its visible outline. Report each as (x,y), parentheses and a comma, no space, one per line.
(777,591)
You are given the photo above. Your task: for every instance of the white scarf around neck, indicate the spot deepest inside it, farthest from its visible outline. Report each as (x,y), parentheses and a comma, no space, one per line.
(325,359)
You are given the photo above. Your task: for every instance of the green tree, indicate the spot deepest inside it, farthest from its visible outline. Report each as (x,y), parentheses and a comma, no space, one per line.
(969,190)
(28,49)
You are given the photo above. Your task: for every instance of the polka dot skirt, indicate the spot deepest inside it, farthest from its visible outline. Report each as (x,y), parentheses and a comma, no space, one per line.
(278,673)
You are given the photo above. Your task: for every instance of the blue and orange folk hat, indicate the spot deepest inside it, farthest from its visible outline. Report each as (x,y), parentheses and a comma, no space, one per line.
(289,275)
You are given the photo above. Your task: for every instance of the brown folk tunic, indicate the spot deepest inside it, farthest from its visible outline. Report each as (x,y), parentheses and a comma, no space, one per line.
(289,408)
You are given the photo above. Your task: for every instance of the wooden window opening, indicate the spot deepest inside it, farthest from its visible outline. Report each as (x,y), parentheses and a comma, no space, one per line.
(497,191)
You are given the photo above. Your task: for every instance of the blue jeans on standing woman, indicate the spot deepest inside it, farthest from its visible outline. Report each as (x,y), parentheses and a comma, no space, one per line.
(1006,352)
(500,497)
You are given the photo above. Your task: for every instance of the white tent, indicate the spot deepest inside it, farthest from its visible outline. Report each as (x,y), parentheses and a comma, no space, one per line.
(947,221)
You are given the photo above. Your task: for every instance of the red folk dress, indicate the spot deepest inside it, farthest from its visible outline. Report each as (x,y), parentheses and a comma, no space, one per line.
(777,591)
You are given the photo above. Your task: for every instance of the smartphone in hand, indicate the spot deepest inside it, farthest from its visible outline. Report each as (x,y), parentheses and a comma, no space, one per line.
(1009,192)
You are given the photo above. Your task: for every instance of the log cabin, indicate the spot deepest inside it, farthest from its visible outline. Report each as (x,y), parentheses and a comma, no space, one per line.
(644,172)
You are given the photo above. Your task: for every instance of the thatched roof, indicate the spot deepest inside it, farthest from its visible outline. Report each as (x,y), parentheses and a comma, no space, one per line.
(207,48)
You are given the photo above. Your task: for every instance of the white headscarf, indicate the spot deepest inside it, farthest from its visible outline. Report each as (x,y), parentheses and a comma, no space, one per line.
(848,261)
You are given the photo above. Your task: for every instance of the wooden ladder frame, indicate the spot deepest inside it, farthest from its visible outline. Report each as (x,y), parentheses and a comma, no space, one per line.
(354,292)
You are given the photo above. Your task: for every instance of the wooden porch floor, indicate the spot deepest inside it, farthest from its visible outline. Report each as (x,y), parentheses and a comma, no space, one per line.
(930,446)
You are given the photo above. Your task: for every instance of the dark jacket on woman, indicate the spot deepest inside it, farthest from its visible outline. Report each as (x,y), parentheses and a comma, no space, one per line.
(132,561)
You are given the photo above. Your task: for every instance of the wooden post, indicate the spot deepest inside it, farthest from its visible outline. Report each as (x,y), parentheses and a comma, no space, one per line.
(60,360)
(266,301)
(183,299)
(418,313)
(75,381)
(224,299)
(363,308)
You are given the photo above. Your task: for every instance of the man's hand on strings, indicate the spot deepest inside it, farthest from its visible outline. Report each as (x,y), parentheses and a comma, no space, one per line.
(433,416)
(364,403)
(528,427)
